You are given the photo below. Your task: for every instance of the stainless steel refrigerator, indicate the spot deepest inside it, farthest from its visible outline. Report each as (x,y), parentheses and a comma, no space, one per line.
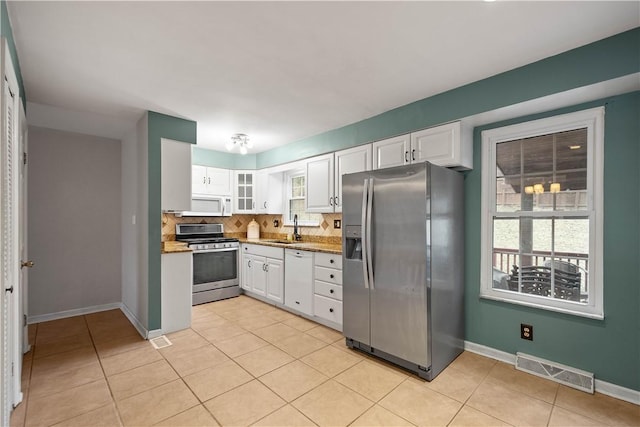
(403,265)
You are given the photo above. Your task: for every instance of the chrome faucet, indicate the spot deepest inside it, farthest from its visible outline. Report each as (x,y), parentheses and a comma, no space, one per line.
(296,235)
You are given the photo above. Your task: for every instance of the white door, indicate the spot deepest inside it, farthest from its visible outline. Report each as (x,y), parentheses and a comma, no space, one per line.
(320,184)
(219,182)
(259,275)
(25,263)
(439,145)
(198,179)
(262,191)
(275,279)
(10,354)
(392,152)
(357,159)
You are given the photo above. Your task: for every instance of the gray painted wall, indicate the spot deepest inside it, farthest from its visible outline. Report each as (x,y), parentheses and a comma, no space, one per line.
(142,222)
(129,237)
(74,221)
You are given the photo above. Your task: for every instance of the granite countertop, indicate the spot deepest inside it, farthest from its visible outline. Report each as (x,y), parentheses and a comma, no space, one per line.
(174,247)
(303,246)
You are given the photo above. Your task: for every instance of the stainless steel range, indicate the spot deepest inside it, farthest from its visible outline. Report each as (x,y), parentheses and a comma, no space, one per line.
(215,261)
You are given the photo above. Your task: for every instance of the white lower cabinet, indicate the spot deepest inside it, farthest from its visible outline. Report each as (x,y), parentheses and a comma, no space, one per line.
(275,279)
(298,281)
(176,279)
(327,298)
(328,308)
(309,283)
(263,271)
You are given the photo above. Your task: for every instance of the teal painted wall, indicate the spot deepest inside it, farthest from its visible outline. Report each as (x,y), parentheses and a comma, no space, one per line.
(7,32)
(160,126)
(221,159)
(603,60)
(611,347)
(606,59)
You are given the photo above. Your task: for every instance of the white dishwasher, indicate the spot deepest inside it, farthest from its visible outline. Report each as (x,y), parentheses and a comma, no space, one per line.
(298,280)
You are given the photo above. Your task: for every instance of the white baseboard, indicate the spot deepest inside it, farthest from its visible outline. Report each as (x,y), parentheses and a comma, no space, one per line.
(134,321)
(154,334)
(613,390)
(71,313)
(483,350)
(619,392)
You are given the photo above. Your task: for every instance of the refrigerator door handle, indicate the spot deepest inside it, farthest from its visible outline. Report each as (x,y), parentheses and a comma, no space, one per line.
(368,243)
(365,273)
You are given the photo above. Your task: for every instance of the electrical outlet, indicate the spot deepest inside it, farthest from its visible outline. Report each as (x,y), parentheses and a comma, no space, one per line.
(337,224)
(526,332)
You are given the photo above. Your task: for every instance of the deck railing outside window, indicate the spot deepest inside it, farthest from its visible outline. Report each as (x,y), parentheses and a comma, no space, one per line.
(505,259)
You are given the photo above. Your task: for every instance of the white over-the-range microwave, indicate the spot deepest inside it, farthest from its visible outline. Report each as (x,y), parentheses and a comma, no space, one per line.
(206,205)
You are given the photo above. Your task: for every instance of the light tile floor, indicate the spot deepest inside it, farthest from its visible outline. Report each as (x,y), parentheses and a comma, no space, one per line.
(244,362)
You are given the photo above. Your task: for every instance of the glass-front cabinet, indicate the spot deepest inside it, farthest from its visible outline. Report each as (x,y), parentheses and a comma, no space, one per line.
(245,194)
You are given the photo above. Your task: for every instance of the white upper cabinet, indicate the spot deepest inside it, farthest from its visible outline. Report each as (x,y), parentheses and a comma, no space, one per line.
(176,175)
(245,195)
(319,182)
(441,145)
(211,181)
(269,186)
(324,177)
(391,152)
(352,160)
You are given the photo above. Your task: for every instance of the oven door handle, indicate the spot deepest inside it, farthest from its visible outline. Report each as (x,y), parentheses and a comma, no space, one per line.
(207,251)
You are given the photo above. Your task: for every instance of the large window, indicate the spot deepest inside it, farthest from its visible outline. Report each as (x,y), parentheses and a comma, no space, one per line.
(542,213)
(295,203)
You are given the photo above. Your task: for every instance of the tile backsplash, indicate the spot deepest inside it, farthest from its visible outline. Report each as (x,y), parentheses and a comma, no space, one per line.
(236,226)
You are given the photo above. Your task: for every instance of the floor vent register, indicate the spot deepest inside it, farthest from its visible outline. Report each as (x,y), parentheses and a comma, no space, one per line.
(553,371)
(160,342)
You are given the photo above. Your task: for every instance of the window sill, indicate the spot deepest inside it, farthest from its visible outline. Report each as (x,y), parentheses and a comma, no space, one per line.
(495,296)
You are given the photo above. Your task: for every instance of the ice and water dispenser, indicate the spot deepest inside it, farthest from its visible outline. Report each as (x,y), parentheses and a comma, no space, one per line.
(353,242)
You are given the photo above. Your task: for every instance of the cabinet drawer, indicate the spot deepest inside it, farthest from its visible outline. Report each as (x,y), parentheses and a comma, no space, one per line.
(261,250)
(328,290)
(327,308)
(329,260)
(329,275)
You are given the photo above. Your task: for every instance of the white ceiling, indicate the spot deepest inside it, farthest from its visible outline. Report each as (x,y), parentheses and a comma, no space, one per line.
(283,71)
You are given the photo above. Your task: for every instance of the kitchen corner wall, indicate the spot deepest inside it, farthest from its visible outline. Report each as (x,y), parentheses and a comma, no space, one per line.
(236,226)
(74,237)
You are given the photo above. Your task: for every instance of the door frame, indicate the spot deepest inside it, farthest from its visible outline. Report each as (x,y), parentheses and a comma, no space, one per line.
(10,346)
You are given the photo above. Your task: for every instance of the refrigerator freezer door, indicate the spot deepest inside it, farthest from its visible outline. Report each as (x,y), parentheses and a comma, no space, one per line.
(355,289)
(399,294)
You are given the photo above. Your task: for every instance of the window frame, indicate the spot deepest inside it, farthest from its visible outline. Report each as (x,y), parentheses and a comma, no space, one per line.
(288,196)
(593,120)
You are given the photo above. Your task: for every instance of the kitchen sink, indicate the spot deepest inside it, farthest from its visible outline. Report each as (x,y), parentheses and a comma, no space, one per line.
(283,242)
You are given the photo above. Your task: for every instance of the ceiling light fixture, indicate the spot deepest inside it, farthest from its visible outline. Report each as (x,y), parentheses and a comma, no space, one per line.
(239,140)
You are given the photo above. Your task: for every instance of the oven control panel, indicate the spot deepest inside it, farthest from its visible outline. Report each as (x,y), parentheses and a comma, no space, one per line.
(210,246)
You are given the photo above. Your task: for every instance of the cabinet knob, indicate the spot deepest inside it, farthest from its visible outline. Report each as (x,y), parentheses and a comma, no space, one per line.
(331,261)
(331,275)
(330,291)
(331,310)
